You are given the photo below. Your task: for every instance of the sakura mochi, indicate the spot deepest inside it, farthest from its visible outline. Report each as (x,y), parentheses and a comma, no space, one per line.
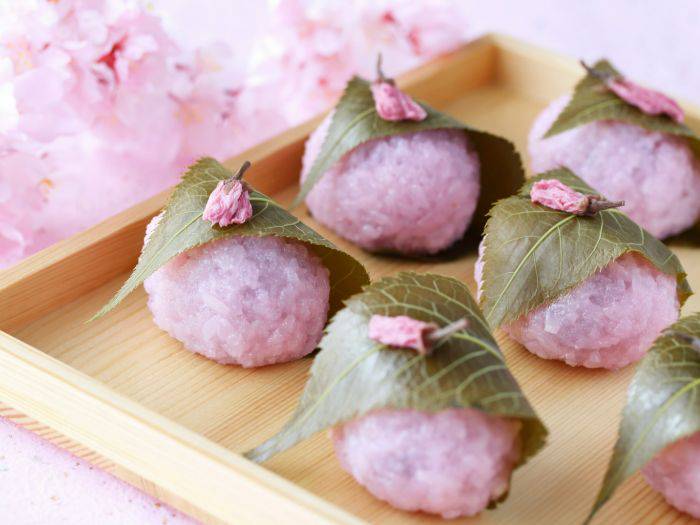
(675,473)
(250,301)
(421,407)
(234,276)
(452,463)
(607,321)
(659,432)
(570,277)
(413,193)
(656,174)
(392,174)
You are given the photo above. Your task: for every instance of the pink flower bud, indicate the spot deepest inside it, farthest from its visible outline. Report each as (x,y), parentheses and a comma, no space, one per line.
(401,331)
(393,104)
(405,332)
(649,101)
(558,196)
(229,203)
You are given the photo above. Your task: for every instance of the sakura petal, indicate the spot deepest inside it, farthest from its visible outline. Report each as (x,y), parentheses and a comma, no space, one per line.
(558,196)
(38,89)
(92,26)
(228,204)
(9,115)
(401,331)
(649,101)
(139,46)
(394,105)
(12,244)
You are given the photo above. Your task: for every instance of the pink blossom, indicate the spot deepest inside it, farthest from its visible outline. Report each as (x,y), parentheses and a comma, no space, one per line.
(228,204)
(401,331)
(405,332)
(649,101)
(97,98)
(558,196)
(313,48)
(414,28)
(393,104)
(306,59)
(21,202)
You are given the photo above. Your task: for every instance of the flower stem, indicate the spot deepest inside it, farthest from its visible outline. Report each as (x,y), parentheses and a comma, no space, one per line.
(435,336)
(600,75)
(381,77)
(596,204)
(244,167)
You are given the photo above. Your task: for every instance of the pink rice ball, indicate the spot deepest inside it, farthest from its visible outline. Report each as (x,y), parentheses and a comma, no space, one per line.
(607,321)
(451,463)
(250,301)
(675,473)
(414,193)
(656,174)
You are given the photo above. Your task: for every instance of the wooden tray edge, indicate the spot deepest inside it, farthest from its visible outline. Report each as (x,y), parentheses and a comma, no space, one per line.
(167,454)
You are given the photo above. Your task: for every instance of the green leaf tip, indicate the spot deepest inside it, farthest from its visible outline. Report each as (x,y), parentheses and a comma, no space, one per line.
(663,404)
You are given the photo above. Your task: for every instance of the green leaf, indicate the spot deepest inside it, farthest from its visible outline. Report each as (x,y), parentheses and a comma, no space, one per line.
(353,374)
(592,101)
(534,254)
(663,404)
(355,122)
(182,228)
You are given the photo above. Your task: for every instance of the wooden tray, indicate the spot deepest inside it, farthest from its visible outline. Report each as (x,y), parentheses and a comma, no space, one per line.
(125,395)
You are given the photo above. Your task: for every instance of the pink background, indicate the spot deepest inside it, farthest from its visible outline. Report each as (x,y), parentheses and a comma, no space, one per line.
(653,41)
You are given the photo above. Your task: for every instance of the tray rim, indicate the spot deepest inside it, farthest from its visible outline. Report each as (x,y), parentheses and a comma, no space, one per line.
(70,402)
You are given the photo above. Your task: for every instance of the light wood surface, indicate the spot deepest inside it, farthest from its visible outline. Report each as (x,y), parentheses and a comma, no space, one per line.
(125,395)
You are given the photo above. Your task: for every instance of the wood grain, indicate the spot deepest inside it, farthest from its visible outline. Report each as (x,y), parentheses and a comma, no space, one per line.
(120,382)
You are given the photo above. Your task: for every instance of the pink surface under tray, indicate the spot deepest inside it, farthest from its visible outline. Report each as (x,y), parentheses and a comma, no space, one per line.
(41,484)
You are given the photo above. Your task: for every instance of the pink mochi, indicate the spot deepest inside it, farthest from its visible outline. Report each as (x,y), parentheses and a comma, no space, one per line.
(656,174)
(451,463)
(251,301)
(675,473)
(413,193)
(607,321)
